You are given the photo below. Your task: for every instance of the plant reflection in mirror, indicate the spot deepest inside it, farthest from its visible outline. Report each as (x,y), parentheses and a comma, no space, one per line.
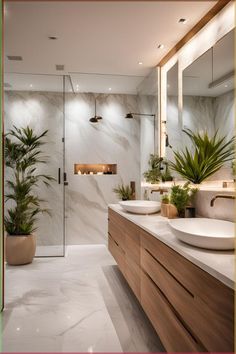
(208,156)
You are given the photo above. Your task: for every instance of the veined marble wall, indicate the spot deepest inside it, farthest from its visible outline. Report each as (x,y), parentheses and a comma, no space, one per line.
(41,111)
(113,140)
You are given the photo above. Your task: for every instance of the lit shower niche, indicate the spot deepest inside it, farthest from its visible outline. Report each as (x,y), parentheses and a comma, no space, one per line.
(95,169)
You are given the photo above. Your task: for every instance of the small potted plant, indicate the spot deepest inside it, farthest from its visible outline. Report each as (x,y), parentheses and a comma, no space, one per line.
(22,156)
(165,201)
(166,174)
(181,197)
(124,192)
(153,175)
(233,165)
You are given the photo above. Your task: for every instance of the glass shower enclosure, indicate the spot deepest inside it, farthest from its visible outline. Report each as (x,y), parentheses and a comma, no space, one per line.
(38,101)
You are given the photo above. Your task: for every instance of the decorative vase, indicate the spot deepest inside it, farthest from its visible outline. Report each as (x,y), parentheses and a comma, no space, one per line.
(20,249)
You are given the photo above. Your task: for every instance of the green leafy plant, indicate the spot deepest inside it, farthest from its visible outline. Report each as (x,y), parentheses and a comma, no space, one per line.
(182,196)
(153,175)
(123,192)
(233,165)
(166,174)
(165,199)
(209,155)
(22,156)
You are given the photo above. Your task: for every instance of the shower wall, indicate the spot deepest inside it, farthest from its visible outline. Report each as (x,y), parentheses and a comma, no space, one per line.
(114,140)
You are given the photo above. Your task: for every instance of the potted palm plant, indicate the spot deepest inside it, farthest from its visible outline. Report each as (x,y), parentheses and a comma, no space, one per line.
(22,156)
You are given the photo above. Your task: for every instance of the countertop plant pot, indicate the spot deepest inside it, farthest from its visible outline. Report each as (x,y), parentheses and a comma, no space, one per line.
(164,209)
(20,249)
(172,211)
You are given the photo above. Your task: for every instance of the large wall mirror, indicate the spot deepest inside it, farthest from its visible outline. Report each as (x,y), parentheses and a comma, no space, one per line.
(208,93)
(207,101)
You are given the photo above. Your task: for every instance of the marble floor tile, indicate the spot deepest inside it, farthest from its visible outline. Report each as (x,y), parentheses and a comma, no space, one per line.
(80,303)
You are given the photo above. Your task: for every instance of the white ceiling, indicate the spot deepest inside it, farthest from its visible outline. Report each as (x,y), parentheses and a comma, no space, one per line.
(97,37)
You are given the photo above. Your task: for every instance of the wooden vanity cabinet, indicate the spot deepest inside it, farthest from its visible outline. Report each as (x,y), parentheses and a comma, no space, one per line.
(126,236)
(190,309)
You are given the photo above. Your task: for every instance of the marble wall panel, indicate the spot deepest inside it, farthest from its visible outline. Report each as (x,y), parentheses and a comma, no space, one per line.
(113,140)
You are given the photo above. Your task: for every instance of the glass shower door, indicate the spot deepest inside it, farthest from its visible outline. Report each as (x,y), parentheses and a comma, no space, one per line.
(38,101)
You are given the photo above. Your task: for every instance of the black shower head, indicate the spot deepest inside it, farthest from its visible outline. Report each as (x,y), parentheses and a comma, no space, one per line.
(95,119)
(129,115)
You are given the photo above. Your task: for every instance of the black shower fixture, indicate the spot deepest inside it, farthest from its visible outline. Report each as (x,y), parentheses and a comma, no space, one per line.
(131,115)
(95,118)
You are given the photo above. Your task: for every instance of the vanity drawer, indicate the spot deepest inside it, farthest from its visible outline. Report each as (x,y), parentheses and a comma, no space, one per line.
(117,233)
(132,274)
(196,280)
(215,332)
(169,327)
(117,253)
(132,248)
(116,218)
(217,324)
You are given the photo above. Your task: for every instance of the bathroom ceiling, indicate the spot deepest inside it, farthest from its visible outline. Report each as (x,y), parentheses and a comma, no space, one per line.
(96,37)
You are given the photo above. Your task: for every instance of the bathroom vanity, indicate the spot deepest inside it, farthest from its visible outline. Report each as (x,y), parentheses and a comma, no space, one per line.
(186,292)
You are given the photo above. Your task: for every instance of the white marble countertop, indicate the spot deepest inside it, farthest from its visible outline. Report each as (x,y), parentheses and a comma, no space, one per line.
(220,264)
(211,186)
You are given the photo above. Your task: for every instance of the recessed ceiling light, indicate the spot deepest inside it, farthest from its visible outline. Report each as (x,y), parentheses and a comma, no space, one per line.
(109,89)
(15,57)
(31,85)
(226,85)
(60,67)
(182,20)
(53,38)
(140,63)
(160,46)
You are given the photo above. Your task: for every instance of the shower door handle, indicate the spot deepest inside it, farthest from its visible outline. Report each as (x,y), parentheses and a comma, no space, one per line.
(65,179)
(59,176)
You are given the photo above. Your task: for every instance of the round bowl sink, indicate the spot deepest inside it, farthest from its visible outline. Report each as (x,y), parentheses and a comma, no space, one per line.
(205,233)
(141,206)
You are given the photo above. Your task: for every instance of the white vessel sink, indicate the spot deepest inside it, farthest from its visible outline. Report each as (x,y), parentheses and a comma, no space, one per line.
(205,233)
(141,206)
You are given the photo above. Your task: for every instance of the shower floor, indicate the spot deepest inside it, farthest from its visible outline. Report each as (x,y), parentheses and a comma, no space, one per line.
(80,303)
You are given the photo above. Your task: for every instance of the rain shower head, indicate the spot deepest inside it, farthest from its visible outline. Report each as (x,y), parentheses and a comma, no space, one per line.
(95,119)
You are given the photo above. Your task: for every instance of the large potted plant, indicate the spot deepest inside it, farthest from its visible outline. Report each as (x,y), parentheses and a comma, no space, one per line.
(23,154)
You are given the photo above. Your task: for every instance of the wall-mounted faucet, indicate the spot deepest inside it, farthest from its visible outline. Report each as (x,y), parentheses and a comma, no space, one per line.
(161,190)
(223,196)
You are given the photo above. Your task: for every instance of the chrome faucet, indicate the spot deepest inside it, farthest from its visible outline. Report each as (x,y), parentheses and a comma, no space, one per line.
(224,196)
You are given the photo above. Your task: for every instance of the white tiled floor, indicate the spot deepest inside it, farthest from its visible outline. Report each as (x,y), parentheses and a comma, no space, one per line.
(80,303)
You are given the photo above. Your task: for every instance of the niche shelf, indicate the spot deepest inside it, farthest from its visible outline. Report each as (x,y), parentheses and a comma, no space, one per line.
(95,169)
